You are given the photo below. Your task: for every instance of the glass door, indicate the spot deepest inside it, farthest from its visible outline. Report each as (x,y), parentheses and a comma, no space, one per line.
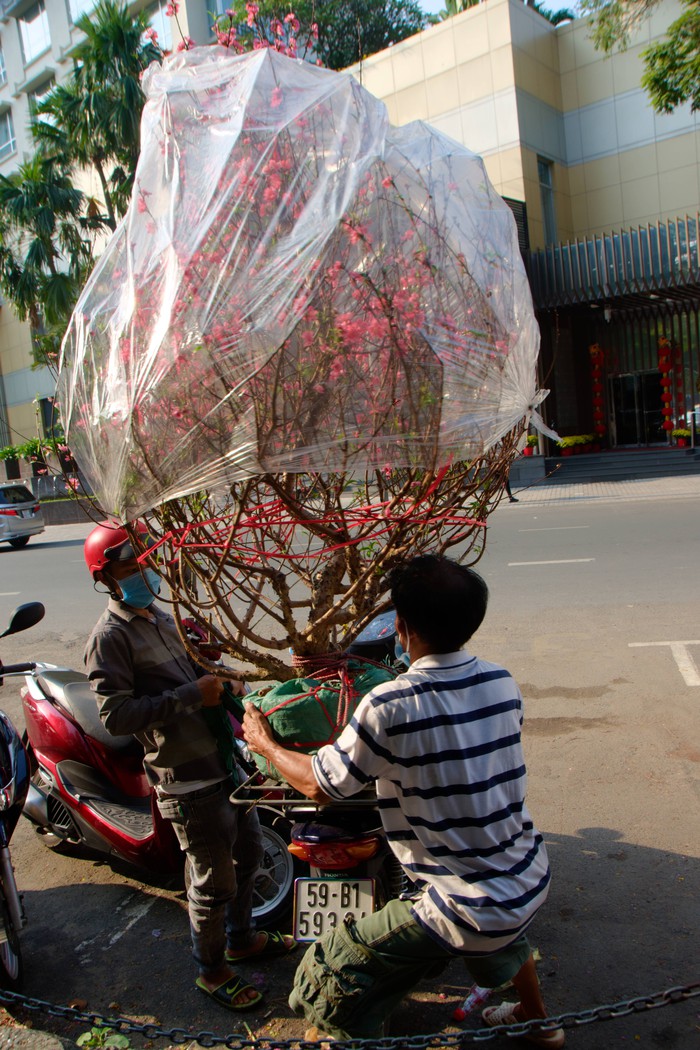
(636,405)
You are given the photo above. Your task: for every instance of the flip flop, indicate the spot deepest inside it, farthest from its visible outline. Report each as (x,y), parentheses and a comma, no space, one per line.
(226,993)
(275,945)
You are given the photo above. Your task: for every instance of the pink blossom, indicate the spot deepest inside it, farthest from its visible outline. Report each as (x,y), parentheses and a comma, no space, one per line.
(151,34)
(276,99)
(172,8)
(185,44)
(387,182)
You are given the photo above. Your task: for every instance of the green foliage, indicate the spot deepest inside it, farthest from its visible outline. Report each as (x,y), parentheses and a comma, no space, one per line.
(101,1036)
(34,448)
(671,66)
(348,30)
(43,254)
(93,118)
(9,452)
(576,439)
(48,226)
(680,432)
(455,7)
(533,440)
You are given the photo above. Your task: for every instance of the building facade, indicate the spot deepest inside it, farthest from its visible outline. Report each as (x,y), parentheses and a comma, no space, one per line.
(606,193)
(37,39)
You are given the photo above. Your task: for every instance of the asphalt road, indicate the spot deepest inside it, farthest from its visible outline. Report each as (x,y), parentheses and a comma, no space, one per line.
(586,599)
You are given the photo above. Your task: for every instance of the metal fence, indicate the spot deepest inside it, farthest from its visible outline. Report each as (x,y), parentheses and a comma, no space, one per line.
(647,261)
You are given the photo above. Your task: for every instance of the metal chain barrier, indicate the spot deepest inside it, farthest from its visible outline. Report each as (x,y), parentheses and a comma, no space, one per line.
(237,1041)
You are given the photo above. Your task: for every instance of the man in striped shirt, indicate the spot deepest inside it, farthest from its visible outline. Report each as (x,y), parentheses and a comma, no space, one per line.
(442,745)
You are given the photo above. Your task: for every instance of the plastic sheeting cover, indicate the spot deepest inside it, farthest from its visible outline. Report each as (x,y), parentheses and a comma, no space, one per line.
(297,286)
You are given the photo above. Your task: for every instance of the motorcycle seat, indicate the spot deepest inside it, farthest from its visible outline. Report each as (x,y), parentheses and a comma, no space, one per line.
(71,691)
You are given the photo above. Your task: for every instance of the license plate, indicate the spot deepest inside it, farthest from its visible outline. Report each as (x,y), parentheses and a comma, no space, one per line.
(322,904)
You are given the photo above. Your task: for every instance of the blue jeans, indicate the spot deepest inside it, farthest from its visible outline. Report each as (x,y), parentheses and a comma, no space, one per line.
(224,849)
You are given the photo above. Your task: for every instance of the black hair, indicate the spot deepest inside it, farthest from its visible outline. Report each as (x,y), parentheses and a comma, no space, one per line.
(443,602)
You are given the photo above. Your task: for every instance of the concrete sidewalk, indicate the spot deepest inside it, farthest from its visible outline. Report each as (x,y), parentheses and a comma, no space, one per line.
(685,486)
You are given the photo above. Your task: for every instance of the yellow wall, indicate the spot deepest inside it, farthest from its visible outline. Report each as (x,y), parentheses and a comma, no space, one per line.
(506,83)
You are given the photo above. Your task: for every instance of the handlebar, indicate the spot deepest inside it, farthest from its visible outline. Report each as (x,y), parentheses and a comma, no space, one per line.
(15,668)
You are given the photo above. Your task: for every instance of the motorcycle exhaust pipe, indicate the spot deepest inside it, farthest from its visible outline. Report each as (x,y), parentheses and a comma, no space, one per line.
(36,807)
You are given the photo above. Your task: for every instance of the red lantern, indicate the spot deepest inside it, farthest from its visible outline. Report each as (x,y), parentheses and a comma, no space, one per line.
(665,381)
(664,364)
(667,397)
(667,424)
(597,401)
(599,428)
(597,387)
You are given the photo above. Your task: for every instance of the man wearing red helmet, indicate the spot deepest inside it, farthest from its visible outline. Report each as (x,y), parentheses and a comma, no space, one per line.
(146,685)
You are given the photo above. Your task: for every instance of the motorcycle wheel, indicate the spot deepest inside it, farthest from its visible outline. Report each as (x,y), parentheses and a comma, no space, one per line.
(273,894)
(274,885)
(11,965)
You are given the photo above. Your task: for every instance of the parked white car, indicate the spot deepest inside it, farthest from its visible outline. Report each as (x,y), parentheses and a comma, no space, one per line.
(20,514)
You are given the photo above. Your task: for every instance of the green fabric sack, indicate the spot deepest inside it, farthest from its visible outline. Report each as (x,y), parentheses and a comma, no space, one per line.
(306,713)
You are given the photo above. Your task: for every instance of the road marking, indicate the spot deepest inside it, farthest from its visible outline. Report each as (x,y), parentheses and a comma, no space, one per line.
(684,660)
(562,561)
(555,528)
(133,913)
(9,594)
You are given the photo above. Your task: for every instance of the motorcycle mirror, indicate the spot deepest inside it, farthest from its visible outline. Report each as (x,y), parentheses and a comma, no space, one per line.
(24,616)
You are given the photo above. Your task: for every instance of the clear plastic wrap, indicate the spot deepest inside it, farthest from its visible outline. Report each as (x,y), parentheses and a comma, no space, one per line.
(297,286)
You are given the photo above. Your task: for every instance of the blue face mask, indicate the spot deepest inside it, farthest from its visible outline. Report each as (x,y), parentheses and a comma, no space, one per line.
(140,592)
(400,654)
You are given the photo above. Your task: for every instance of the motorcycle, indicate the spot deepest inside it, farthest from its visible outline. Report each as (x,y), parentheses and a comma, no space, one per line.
(14,773)
(351,868)
(88,789)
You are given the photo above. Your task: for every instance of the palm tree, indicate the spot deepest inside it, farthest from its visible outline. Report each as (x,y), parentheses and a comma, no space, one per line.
(454,7)
(43,249)
(92,120)
(555,17)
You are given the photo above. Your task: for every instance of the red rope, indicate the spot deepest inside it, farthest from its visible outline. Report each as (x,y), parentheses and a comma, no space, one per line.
(251,547)
(328,666)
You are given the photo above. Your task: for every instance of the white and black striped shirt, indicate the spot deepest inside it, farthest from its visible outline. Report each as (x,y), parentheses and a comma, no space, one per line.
(443,744)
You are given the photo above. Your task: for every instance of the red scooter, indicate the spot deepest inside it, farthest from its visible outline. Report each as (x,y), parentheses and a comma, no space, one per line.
(88,788)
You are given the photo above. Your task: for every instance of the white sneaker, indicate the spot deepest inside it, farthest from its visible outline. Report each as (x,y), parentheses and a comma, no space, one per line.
(504,1014)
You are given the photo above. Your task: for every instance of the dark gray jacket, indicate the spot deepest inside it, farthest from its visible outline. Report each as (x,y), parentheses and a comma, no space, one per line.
(145,684)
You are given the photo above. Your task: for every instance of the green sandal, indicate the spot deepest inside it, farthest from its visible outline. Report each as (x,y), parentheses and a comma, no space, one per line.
(275,945)
(226,993)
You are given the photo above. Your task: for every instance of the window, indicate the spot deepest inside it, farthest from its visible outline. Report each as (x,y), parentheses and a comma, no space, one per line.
(7,135)
(162,24)
(34,31)
(39,94)
(545,174)
(80,7)
(3,70)
(11,494)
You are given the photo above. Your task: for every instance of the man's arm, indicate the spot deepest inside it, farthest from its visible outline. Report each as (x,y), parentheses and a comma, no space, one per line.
(295,767)
(108,661)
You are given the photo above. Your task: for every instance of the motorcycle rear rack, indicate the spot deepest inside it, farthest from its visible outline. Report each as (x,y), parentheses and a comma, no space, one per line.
(277,795)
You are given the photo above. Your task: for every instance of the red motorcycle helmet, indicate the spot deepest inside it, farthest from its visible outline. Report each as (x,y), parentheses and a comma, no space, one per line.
(104,542)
